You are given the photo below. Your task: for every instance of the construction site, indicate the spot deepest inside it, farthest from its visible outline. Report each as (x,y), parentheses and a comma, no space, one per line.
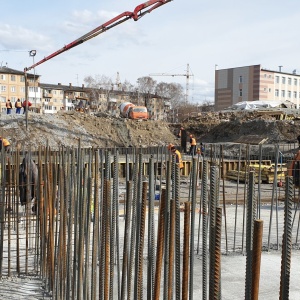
(95,206)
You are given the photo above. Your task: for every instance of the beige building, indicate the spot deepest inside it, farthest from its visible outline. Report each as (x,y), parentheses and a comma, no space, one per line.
(12,86)
(252,83)
(49,98)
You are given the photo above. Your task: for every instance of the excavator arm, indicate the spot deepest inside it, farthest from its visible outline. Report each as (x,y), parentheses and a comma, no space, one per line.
(138,12)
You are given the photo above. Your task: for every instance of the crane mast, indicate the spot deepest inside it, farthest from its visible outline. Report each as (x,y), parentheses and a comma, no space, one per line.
(187,75)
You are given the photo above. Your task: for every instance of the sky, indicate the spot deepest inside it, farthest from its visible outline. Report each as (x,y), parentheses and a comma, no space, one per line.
(200,33)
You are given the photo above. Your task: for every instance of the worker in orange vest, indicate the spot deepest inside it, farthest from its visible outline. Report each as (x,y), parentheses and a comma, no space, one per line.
(5,143)
(193,145)
(177,157)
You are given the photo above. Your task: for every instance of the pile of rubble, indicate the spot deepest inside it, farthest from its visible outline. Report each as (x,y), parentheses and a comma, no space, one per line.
(68,128)
(269,126)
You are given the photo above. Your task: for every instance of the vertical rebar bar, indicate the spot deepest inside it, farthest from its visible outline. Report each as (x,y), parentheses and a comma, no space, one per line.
(249,234)
(286,242)
(256,259)
(204,229)
(160,246)
(186,250)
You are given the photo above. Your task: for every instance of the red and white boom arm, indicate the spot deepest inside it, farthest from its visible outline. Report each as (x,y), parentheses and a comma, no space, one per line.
(138,12)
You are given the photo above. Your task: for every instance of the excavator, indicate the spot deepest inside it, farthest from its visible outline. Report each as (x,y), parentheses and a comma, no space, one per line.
(140,11)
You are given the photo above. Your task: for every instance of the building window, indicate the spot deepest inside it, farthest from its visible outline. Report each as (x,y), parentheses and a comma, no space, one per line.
(2,77)
(295,81)
(283,80)
(265,89)
(289,80)
(3,99)
(270,90)
(289,94)
(22,78)
(241,92)
(277,79)
(270,76)
(240,79)
(265,75)
(276,93)
(13,99)
(13,89)
(22,89)
(3,88)
(283,93)
(295,94)
(13,77)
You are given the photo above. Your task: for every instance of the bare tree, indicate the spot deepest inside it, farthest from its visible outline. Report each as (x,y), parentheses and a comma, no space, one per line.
(146,85)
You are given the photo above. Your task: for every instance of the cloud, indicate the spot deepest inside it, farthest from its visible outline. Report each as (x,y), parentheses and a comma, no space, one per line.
(14,37)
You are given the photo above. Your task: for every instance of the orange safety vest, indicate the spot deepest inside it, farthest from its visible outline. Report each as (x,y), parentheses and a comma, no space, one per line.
(5,142)
(179,159)
(193,142)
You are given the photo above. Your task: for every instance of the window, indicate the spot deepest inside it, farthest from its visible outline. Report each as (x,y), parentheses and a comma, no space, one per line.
(283,93)
(13,89)
(295,94)
(13,99)
(241,92)
(283,80)
(265,75)
(265,89)
(276,93)
(3,88)
(270,90)
(289,94)
(22,89)
(240,79)
(22,78)
(3,99)
(13,77)
(2,77)
(289,80)
(295,81)
(277,79)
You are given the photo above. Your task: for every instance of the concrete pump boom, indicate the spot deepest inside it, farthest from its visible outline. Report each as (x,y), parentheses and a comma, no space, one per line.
(138,12)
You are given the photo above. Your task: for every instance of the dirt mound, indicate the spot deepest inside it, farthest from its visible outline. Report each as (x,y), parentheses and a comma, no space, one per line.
(66,129)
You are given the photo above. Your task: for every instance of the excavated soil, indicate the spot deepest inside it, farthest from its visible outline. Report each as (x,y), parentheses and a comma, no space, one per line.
(68,128)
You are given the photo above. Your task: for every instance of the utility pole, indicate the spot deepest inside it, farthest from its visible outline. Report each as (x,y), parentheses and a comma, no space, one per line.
(187,75)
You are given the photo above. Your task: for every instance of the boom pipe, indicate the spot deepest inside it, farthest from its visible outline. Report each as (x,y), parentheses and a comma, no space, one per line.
(135,15)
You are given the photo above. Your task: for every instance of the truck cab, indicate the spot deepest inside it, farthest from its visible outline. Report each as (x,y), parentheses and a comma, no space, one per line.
(138,112)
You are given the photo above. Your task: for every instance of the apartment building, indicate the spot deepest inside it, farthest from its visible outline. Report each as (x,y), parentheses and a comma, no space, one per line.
(252,83)
(12,86)
(50,98)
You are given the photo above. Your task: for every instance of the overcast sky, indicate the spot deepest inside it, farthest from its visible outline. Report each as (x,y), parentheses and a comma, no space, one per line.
(200,33)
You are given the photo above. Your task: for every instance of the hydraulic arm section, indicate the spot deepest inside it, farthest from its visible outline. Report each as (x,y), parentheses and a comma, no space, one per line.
(138,12)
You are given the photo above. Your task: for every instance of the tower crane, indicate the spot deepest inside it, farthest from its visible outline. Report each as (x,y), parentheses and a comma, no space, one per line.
(187,75)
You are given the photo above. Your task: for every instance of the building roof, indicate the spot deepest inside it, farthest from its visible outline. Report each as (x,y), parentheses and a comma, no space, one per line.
(6,70)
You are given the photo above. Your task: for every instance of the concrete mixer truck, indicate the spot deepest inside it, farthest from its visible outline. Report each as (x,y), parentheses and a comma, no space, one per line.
(135,112)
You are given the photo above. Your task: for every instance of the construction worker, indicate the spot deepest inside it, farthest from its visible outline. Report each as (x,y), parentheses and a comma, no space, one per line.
(5,143)
(8,107)
(177,156)
(18,106)
(170,146)
(193,145)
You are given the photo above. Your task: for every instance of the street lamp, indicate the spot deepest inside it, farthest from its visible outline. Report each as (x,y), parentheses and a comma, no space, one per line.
(32,53)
